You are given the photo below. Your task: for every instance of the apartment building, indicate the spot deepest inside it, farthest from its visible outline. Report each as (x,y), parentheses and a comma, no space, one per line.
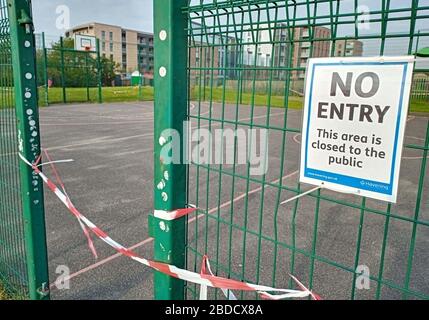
(211,58)
(276,49)
(132,50)
(349,48)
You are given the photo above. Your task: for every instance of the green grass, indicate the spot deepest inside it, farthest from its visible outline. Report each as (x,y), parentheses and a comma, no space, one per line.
(419,106)
(110,94)
(3,294)
(216,95)
(10,293)
(128,94)
(295,102)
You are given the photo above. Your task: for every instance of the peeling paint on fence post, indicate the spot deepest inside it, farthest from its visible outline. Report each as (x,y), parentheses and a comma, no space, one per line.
(170,113)
(24,74)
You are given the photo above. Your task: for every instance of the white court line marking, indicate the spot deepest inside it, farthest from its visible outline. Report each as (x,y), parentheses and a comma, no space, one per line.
(118,114)
(193,106)
(416,138)
(147,135)
(68,118)
(414,158)
(102,262)
(149,240)
(295,139)
(101,141)
(94,124)
(143,103)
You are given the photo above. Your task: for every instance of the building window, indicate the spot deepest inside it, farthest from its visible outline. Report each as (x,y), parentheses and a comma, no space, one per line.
(111,57)
(103,35)
(111,46)
(111,36)
(103,46)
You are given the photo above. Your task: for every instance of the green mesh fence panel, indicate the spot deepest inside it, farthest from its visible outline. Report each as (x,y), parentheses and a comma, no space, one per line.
(13,268)
(246,70)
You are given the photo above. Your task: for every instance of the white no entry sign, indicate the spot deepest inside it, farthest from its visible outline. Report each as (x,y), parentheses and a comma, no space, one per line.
(354,120)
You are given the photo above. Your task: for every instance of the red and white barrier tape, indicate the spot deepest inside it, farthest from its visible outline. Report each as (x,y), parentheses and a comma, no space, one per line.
(206,269)
(173,215)
(203,279)
(82,225)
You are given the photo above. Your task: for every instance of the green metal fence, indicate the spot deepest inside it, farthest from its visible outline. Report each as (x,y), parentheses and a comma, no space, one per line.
(23,257)
(67,75)
(420,89)
(325,239)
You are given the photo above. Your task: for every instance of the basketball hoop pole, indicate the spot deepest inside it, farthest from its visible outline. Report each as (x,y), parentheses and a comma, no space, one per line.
(63,82)
(99,75)
(88,98)
(45,69)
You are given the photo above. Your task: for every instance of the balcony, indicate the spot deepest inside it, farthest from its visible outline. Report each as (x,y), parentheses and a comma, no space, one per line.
(303,64)
(305,54)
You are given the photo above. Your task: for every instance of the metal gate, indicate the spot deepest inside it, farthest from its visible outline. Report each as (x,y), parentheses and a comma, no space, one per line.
(230,65)
(23,257)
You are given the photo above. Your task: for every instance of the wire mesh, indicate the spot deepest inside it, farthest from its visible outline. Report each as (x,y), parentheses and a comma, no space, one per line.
(246,70)
(65,75)
(13,269)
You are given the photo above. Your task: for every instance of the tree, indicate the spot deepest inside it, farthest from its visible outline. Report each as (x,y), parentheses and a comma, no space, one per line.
(109,69)
(80,68)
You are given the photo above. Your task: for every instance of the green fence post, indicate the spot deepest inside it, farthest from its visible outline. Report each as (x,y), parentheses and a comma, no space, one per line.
(63,73)
(45,69)
(99,73)
(141,88)
(88,98)
(170,113)
(24,72)
(141,71)
(418,41)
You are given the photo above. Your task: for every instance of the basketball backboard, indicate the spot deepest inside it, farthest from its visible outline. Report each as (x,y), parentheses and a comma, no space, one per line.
(85,43)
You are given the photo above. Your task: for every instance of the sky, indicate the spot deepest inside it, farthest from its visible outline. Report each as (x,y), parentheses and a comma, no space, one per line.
(136,14)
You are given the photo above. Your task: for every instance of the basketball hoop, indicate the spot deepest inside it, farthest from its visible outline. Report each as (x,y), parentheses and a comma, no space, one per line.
(85,43)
